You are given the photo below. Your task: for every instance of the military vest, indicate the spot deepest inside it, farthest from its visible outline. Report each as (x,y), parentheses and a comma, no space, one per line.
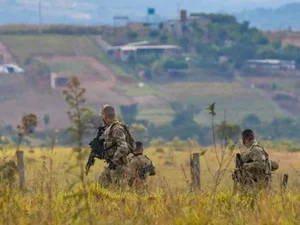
(109,140)
(268,167)
(144,165)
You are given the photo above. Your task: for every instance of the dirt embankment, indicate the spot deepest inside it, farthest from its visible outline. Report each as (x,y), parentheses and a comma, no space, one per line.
(7,57)
(19,98)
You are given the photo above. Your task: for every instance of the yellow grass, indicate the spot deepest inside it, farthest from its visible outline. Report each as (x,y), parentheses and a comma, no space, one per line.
(57,197)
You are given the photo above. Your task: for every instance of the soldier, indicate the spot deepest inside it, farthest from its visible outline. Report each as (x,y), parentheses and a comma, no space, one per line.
(118,141)
(141,167)
(8,172)
(256,167)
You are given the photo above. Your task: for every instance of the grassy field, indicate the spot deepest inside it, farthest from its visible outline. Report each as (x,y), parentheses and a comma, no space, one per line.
(159,114)
(69,67)
(56,195)
(24,46)
(236,100)
(230,96)
(117,69)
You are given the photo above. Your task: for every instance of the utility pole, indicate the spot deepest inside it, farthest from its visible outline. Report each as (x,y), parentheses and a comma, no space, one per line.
(40,16)
(178,11)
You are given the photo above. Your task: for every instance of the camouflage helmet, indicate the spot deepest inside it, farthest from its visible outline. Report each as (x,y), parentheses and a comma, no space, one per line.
(274,165)
(107,110)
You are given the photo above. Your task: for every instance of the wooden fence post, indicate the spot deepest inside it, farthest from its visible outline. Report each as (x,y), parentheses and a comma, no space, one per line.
(21,169)
(285,180)
(195,171)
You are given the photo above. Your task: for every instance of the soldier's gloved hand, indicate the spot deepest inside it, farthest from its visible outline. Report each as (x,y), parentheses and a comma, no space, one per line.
(112,165)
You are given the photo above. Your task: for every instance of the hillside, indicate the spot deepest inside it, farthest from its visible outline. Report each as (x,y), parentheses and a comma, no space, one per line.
(213,50)
(95,12)
(283,18)
(154,99)
(31,92)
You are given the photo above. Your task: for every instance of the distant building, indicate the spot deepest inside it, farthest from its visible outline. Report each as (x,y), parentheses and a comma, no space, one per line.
(271,64)
(59,81)
(123,52)
(10,68)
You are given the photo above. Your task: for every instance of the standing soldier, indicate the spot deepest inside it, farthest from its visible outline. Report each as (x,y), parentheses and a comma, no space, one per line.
(255,166)
(141,167)
(119,143)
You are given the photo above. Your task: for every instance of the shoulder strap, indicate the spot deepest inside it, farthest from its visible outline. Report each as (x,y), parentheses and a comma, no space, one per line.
(112,126)
(127,133)
(266,154)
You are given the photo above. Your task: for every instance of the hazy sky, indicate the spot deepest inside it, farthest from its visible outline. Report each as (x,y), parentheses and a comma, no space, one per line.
(232,5)
(207,3)
(167,8)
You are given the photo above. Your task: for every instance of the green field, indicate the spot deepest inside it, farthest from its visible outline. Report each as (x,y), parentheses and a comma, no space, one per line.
(237,101)
(117,69)
(24,46)
(69,67)
(159,115)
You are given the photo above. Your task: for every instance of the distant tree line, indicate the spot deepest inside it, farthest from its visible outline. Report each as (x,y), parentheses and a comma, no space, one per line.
(50,29)
(182,126)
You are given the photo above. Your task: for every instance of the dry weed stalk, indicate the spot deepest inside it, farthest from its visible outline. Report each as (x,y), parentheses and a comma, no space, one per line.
(221,155)
(29,123)
(78,115)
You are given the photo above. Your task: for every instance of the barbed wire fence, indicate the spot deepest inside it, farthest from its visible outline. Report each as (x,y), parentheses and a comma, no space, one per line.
(194,175)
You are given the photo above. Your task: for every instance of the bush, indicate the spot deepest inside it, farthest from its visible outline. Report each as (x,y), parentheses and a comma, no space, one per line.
(176,63)
(163,38)
(154,33)
(251,121)
(132,35)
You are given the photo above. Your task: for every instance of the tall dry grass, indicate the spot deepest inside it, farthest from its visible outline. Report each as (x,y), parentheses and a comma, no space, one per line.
(55,194)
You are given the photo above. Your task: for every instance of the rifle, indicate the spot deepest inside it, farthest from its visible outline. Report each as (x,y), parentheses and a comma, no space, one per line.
(97,149)
(238,161)
(238,175)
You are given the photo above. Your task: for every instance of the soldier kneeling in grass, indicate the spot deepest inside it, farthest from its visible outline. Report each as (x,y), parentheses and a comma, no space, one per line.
(8,171)
(254,166)
(141,167)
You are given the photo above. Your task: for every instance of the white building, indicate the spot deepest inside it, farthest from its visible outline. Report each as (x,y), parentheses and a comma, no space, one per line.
(123,52)
(271,64)
(58,81)
(10,68)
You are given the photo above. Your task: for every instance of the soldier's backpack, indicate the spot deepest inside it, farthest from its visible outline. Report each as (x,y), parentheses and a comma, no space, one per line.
(268,161)
(129,137)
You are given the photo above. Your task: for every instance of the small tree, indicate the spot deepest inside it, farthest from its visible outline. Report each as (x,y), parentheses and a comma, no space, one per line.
(226,131)
(132,35)
(163,38)
(251,121)
(78,115)
(184,114)
(29,123)
(223,157)
(74,95)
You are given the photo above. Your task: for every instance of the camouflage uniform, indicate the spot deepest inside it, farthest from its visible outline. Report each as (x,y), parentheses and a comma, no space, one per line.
(115,135)
(8,172)
(141,167)
(256,169)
